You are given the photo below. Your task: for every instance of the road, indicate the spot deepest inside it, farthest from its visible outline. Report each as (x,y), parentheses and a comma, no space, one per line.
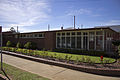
(52,72)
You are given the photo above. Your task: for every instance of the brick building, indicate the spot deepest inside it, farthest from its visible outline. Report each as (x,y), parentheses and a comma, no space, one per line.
(98,38)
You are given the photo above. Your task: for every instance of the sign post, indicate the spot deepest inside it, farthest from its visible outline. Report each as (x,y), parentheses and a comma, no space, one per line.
(1,53)
(1,46)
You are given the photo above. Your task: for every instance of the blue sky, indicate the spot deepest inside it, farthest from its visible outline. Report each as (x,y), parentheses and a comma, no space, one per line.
(35,15)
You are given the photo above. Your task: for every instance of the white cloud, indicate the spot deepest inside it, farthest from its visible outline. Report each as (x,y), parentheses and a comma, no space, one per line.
(23,12)
(5,29)
(78,12)
(113,22)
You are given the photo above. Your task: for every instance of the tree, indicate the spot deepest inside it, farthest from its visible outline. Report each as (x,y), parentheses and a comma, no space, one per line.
(12,29)
(116,42)
(117,52)
(18,45)
(9,44)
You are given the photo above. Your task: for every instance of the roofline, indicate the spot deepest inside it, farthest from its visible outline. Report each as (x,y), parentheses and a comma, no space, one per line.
(96,28)
(69,30)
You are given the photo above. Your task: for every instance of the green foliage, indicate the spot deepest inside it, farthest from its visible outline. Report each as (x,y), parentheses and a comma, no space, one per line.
(19,45)
(28,45)
(59,56)
(83,59)
(73,51)
(116,42)
(119,50)
(9,44)
(88,59)
(77,60)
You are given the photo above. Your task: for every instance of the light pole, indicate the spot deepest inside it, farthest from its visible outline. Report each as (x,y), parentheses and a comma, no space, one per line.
(1,53)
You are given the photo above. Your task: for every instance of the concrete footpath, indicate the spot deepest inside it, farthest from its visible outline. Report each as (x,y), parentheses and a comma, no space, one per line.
(51,71)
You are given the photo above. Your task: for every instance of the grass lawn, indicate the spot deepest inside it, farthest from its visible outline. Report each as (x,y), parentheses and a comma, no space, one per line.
(94,59)
(66,56)
(18,74)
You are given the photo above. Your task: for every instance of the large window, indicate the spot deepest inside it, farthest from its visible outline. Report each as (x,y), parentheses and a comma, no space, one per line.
(63,42)
(68,45)
(99,42)
(35,35)
(79,42)
(58,42)
(91,40)
(85,42)
(99,33)
(72,42)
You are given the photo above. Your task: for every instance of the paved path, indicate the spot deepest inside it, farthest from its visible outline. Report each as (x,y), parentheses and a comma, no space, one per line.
(52,72)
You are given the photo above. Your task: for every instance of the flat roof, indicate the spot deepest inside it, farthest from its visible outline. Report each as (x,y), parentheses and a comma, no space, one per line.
(97,28)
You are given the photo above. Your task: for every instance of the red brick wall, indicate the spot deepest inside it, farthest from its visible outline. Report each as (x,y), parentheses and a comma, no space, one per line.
(50,40)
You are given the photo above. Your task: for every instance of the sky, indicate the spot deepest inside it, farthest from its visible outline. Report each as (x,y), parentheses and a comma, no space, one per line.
(35,15)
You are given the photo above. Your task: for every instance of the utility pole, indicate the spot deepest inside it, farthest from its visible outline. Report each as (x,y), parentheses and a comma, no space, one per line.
(74,22)
(17,29)
(81,26)
(48,27)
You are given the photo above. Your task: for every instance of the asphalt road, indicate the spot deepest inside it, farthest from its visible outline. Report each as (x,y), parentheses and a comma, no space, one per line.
(52,72)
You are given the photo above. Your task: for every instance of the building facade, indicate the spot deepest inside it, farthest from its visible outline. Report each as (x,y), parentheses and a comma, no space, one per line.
(98,39)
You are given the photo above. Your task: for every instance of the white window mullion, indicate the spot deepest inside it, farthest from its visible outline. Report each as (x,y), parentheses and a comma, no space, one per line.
(82,40)
(95,42)
(65,40)
(88,41)
(75,40)
(103,40)
(70,40)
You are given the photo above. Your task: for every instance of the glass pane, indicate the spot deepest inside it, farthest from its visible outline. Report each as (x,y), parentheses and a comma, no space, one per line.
(99,42)
(63,34)
(78,33)
(68,42)
(68,34)
(73,33)
(85,33)
(63,42)
(73,42)
(58,34)
(85,42)
(91,42)
(91,33)
(79,42)
(99,33)
(58,42)
(40,35)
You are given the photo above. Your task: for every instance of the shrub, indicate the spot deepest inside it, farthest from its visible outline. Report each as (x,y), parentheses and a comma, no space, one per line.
(28,45)
(116,42)
(84,52)
(77,60)
(19,45)
(9,44)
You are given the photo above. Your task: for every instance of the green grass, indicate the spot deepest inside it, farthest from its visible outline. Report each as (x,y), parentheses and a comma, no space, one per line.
(18,74)
(66,56)
(94,59)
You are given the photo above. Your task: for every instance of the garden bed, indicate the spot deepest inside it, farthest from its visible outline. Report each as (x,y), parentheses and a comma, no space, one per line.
(62,57)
